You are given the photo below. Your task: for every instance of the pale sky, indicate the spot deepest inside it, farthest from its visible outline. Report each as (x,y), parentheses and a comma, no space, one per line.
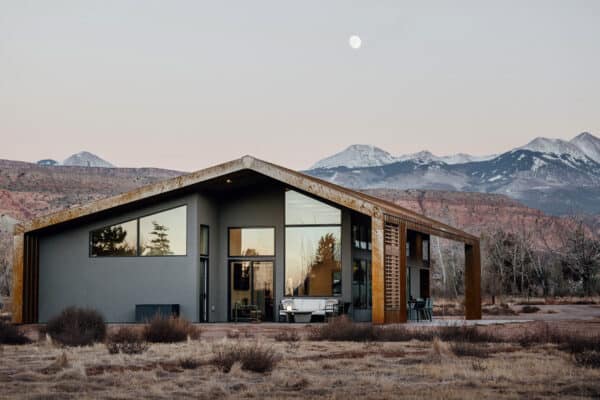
(188,84)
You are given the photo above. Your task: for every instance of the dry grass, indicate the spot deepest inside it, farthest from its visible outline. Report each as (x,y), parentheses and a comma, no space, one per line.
(311,369)
(10,334)
(170,330)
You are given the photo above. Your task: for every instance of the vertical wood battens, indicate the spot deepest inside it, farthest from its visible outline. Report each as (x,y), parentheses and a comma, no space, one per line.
(377,270)
(395,270)
(472,281)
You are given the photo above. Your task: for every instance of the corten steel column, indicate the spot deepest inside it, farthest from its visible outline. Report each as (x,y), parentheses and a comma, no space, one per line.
(472,281)
(377,270)
(17,290)
(403,294)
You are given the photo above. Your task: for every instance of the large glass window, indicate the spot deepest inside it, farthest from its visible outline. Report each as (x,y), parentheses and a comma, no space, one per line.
(361,284)
(115,240)
(251,242)
(313,261)
(304,210)
(312,247)
(164,233)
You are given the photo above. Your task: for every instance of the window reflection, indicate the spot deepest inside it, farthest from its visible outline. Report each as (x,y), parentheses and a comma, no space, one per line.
(361,284)
(164,233)
(115,240)
(251,242)
(303,210)
(312,261)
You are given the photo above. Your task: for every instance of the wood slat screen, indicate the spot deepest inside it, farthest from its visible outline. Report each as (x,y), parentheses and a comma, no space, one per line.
(392,266)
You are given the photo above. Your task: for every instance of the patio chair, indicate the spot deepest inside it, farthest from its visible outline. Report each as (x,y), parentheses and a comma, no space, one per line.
(332,308)
(412,311)
(429,308)
(420,310)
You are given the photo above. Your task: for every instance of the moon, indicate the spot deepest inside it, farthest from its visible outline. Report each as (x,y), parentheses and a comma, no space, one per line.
(355,42)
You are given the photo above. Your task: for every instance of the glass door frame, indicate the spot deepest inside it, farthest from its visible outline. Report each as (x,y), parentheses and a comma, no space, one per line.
(251,262)
(203,292)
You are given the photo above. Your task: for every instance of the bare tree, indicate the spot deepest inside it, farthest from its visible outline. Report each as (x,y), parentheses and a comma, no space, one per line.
(581,258)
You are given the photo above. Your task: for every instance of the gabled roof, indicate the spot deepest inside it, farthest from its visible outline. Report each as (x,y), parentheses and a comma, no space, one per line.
(351,199)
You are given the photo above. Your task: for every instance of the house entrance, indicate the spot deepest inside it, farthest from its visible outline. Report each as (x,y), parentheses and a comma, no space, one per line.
(251,291)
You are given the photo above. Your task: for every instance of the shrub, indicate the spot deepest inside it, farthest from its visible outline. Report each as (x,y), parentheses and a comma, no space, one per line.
(463,349)
(10,334)
(258,359)
(126,340)
(589,359)
(224,357)
(578,343)
(343,329)
(189,363)
(255,358)
(502,309)
(125,334)
(77,327)
(402,334)
(463,333)
(529,309)
(170,330)
(287,336)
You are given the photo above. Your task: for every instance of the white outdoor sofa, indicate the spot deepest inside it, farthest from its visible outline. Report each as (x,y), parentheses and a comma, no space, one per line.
(303,308)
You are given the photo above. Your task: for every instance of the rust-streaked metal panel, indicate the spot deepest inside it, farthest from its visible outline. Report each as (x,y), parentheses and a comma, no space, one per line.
(472,281)
(17,290)
(377,270)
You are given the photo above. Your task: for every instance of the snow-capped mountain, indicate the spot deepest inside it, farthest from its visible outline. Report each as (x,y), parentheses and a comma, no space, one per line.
(357,155)
(425,156)
(554,146)
(362,155)
(588,144)
(86,159)
(556,176)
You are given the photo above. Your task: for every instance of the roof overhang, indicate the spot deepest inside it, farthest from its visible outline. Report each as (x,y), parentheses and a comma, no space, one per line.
(357,201)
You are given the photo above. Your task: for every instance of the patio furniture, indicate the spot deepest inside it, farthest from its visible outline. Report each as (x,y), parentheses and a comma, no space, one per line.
(429,308)
(302,317)
(246,313)
(412,312)
(305,307)
(331,308)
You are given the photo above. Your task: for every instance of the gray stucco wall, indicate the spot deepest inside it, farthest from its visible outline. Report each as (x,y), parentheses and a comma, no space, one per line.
(260,207)
(114,285)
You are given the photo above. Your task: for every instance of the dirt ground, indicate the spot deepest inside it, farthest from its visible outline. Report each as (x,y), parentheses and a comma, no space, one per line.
(307,369)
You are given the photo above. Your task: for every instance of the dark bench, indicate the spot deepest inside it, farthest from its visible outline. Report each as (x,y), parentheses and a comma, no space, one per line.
(145,312)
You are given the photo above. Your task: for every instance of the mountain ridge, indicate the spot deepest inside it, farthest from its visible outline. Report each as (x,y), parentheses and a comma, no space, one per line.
(581,146)
(556,176)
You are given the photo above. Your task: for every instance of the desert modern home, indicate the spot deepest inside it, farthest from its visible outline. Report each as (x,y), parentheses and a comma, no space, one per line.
(243,240)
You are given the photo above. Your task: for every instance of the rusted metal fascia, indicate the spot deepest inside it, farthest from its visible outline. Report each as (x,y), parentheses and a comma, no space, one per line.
(134,195)
(17,290)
